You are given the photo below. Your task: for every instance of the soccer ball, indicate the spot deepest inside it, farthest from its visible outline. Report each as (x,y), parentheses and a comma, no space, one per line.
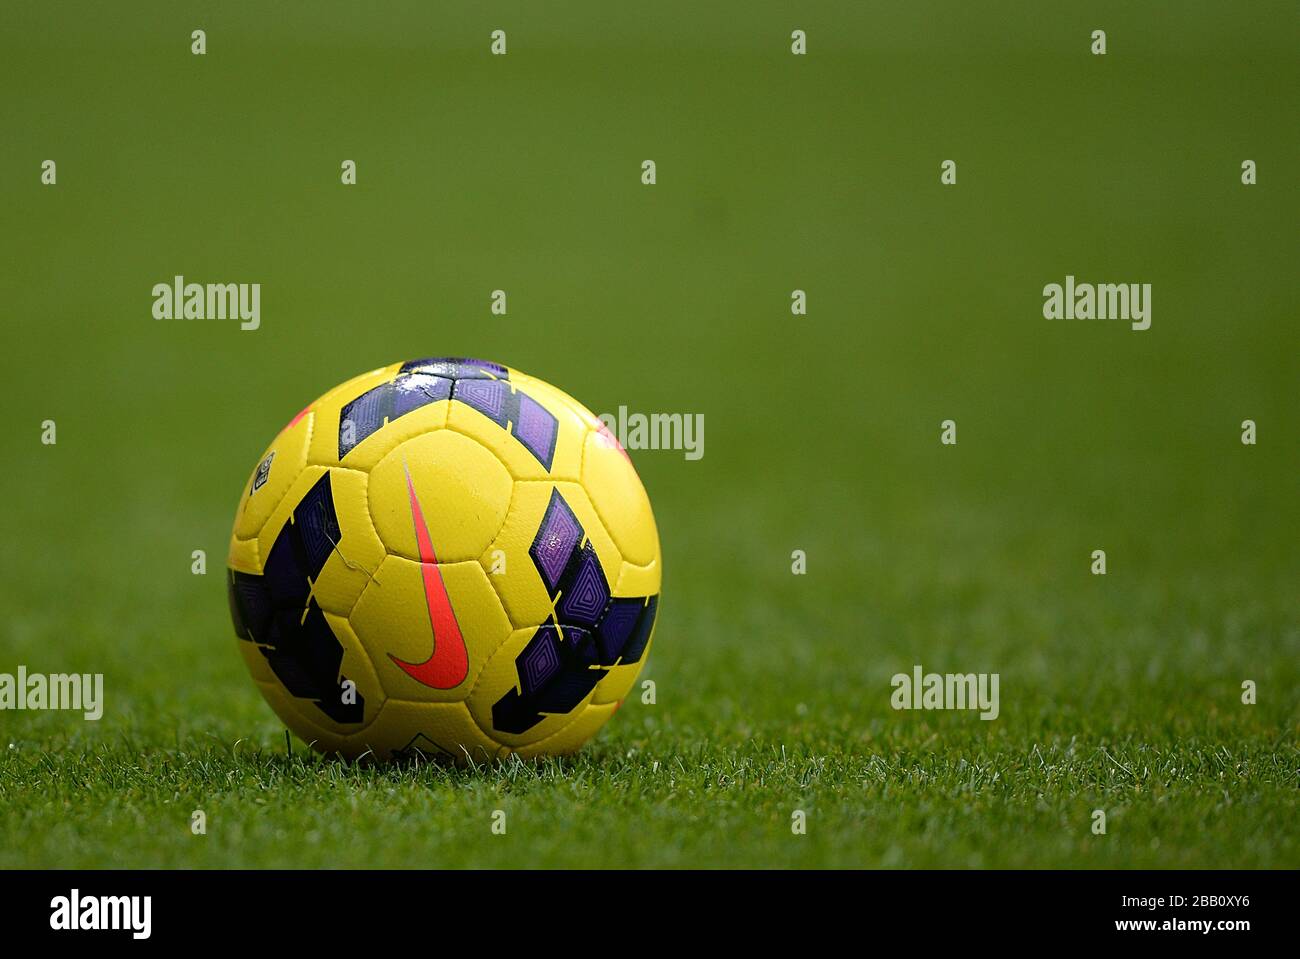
(444,558)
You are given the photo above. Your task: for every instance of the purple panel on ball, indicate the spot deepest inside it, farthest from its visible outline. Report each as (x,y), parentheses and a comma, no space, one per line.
(363,416)
(486,396)
(557,538)
(580,647)
(539,661)
(645,623)
(586,597)
(536,428)
(616,626)
(416,390)
(456,367)
(472,367)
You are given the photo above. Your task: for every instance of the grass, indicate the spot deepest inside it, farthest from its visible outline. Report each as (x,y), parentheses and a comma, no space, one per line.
(1114,697)
(921,797)
(1119,692)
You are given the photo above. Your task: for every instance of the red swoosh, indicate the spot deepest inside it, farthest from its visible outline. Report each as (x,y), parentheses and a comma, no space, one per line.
(448,664)
(611,440)
(294,422)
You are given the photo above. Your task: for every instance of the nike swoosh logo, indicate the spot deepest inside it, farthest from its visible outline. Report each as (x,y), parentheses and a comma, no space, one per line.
(448,664)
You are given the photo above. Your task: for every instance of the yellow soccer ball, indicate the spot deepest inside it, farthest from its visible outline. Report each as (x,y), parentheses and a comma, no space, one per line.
(445,558)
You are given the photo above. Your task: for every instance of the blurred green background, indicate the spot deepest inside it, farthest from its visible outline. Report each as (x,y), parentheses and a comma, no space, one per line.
(775,172)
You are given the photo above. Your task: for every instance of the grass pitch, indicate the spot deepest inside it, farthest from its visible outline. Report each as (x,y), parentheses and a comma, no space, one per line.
(1120,692)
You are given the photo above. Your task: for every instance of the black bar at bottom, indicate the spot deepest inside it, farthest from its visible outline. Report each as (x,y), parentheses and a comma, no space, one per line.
(496,909)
